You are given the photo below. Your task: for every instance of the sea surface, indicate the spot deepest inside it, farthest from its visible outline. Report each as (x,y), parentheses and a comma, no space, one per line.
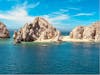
(49,58)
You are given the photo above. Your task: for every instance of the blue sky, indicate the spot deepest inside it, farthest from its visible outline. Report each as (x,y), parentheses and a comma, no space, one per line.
(63,14)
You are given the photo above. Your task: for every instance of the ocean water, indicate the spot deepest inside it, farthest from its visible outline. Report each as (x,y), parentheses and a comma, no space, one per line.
(63,58)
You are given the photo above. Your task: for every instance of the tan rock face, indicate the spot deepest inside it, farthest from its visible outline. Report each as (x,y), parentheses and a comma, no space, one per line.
(91,32)
(77,32)
(4,33)
(97,34)
(97,38)
(40,29)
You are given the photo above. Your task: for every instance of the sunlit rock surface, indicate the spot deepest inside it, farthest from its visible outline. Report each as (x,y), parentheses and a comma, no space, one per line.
(39,30)
(91,32)
(4,33)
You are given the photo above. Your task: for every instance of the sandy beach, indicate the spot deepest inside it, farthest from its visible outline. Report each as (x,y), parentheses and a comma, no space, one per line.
(65,39)
(68,39)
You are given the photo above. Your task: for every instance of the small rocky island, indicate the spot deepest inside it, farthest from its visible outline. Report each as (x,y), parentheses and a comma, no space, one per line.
(4,33)
(40,30)
(85,33)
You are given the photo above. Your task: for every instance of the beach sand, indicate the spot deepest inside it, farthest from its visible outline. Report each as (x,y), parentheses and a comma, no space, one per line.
(66,39)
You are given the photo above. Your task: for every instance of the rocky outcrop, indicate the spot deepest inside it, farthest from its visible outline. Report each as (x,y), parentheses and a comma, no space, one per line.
(39,29)
(97,34)
(4,33)
(77,32)
(91,32)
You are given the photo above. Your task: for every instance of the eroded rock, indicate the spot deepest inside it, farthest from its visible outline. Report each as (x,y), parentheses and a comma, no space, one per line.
(77,32)
(4,33)
(91,32)
(39,29)
(97,34)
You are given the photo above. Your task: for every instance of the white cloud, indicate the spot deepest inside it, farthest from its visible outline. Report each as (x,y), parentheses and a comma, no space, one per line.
(20,16)
(84,14)
(19,13)
(56,18)
(26,5)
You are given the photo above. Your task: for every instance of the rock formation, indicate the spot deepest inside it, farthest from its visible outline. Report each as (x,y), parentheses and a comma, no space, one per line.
(77,32)
(39,29)
(91,32)
(97,33)
(4,33)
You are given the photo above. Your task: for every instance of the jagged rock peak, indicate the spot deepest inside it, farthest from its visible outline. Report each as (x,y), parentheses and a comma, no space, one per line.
(39,29)
(4,33)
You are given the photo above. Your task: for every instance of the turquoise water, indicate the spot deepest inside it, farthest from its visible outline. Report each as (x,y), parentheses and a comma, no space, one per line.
(66,57)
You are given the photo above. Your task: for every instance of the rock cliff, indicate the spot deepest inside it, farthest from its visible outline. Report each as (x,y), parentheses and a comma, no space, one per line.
(39,29)
(91,32)
(4,33)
